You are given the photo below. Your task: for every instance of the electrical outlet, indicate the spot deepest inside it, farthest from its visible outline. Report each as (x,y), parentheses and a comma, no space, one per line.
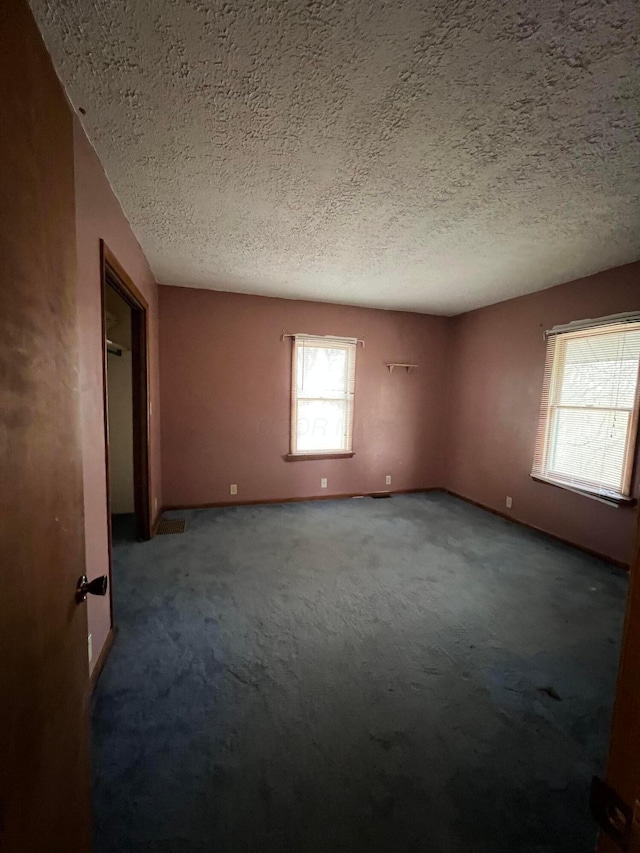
(90,647)
(509,502)
(233,489)
(388,479)
(323,483)
(155,504)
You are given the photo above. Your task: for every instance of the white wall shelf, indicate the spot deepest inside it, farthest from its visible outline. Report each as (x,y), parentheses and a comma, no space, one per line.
(408,367)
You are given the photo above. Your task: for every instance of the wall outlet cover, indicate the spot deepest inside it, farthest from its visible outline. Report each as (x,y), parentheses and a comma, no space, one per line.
(233,489)
(509,502)
(90,647)
(323,483)
(388,479)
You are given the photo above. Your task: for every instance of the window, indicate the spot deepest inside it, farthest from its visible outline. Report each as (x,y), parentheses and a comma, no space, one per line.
(589,415)
(323,385)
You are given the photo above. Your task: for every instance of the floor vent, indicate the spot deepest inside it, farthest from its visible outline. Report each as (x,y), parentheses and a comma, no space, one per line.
(171,525)
(381,495)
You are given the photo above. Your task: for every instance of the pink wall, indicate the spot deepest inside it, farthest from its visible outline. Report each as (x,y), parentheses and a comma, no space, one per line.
(465,420)
(99,215)
(496,380)
(226,379)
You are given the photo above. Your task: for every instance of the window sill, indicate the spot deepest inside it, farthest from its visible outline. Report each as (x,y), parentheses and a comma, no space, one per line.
(611,500)
(300,457)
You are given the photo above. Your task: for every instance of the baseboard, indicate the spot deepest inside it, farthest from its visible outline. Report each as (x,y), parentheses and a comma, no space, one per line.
(554,536)
(102,657)
(220,504)
(504,515)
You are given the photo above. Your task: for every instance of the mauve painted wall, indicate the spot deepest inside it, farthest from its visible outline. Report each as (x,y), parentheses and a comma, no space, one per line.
(226,378)
(99,215)
(496,379)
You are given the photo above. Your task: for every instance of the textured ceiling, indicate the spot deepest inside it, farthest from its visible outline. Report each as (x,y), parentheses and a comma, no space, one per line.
(430,156)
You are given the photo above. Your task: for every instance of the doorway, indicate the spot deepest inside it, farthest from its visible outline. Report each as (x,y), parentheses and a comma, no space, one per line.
(126,402)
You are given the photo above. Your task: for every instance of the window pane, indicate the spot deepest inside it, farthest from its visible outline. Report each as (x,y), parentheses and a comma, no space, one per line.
(589,445)
(321,425)
(600,370)
(322,371)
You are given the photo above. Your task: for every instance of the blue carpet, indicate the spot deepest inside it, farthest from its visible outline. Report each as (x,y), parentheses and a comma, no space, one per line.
(412,674)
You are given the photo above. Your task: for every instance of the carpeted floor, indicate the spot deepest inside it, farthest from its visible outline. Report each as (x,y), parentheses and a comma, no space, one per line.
(411,674)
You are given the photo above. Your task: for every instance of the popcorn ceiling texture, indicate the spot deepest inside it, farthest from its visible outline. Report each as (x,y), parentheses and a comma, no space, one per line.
(425,156)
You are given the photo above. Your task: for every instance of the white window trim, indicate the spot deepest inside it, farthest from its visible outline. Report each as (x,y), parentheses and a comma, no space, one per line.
(553,372)
(350,345)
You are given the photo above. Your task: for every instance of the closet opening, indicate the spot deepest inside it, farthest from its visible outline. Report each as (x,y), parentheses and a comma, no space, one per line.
(126,403)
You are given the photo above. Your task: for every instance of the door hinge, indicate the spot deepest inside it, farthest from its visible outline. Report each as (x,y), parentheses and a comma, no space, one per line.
(615,817)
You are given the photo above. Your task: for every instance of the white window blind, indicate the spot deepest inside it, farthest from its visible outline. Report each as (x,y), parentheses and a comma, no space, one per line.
(323,389)
(589,413)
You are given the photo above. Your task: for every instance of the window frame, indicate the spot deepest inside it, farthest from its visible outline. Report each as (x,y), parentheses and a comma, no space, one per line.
(326,342)
(554,374)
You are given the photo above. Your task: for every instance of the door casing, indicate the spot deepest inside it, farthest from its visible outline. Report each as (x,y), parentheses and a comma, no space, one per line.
(114,275)
(623,768)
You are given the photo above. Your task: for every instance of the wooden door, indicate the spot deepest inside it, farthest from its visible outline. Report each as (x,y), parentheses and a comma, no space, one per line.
(623,770)
(44,679)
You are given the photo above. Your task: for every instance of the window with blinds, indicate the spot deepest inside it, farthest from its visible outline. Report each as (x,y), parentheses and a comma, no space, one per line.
(589,414)
(323,389)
